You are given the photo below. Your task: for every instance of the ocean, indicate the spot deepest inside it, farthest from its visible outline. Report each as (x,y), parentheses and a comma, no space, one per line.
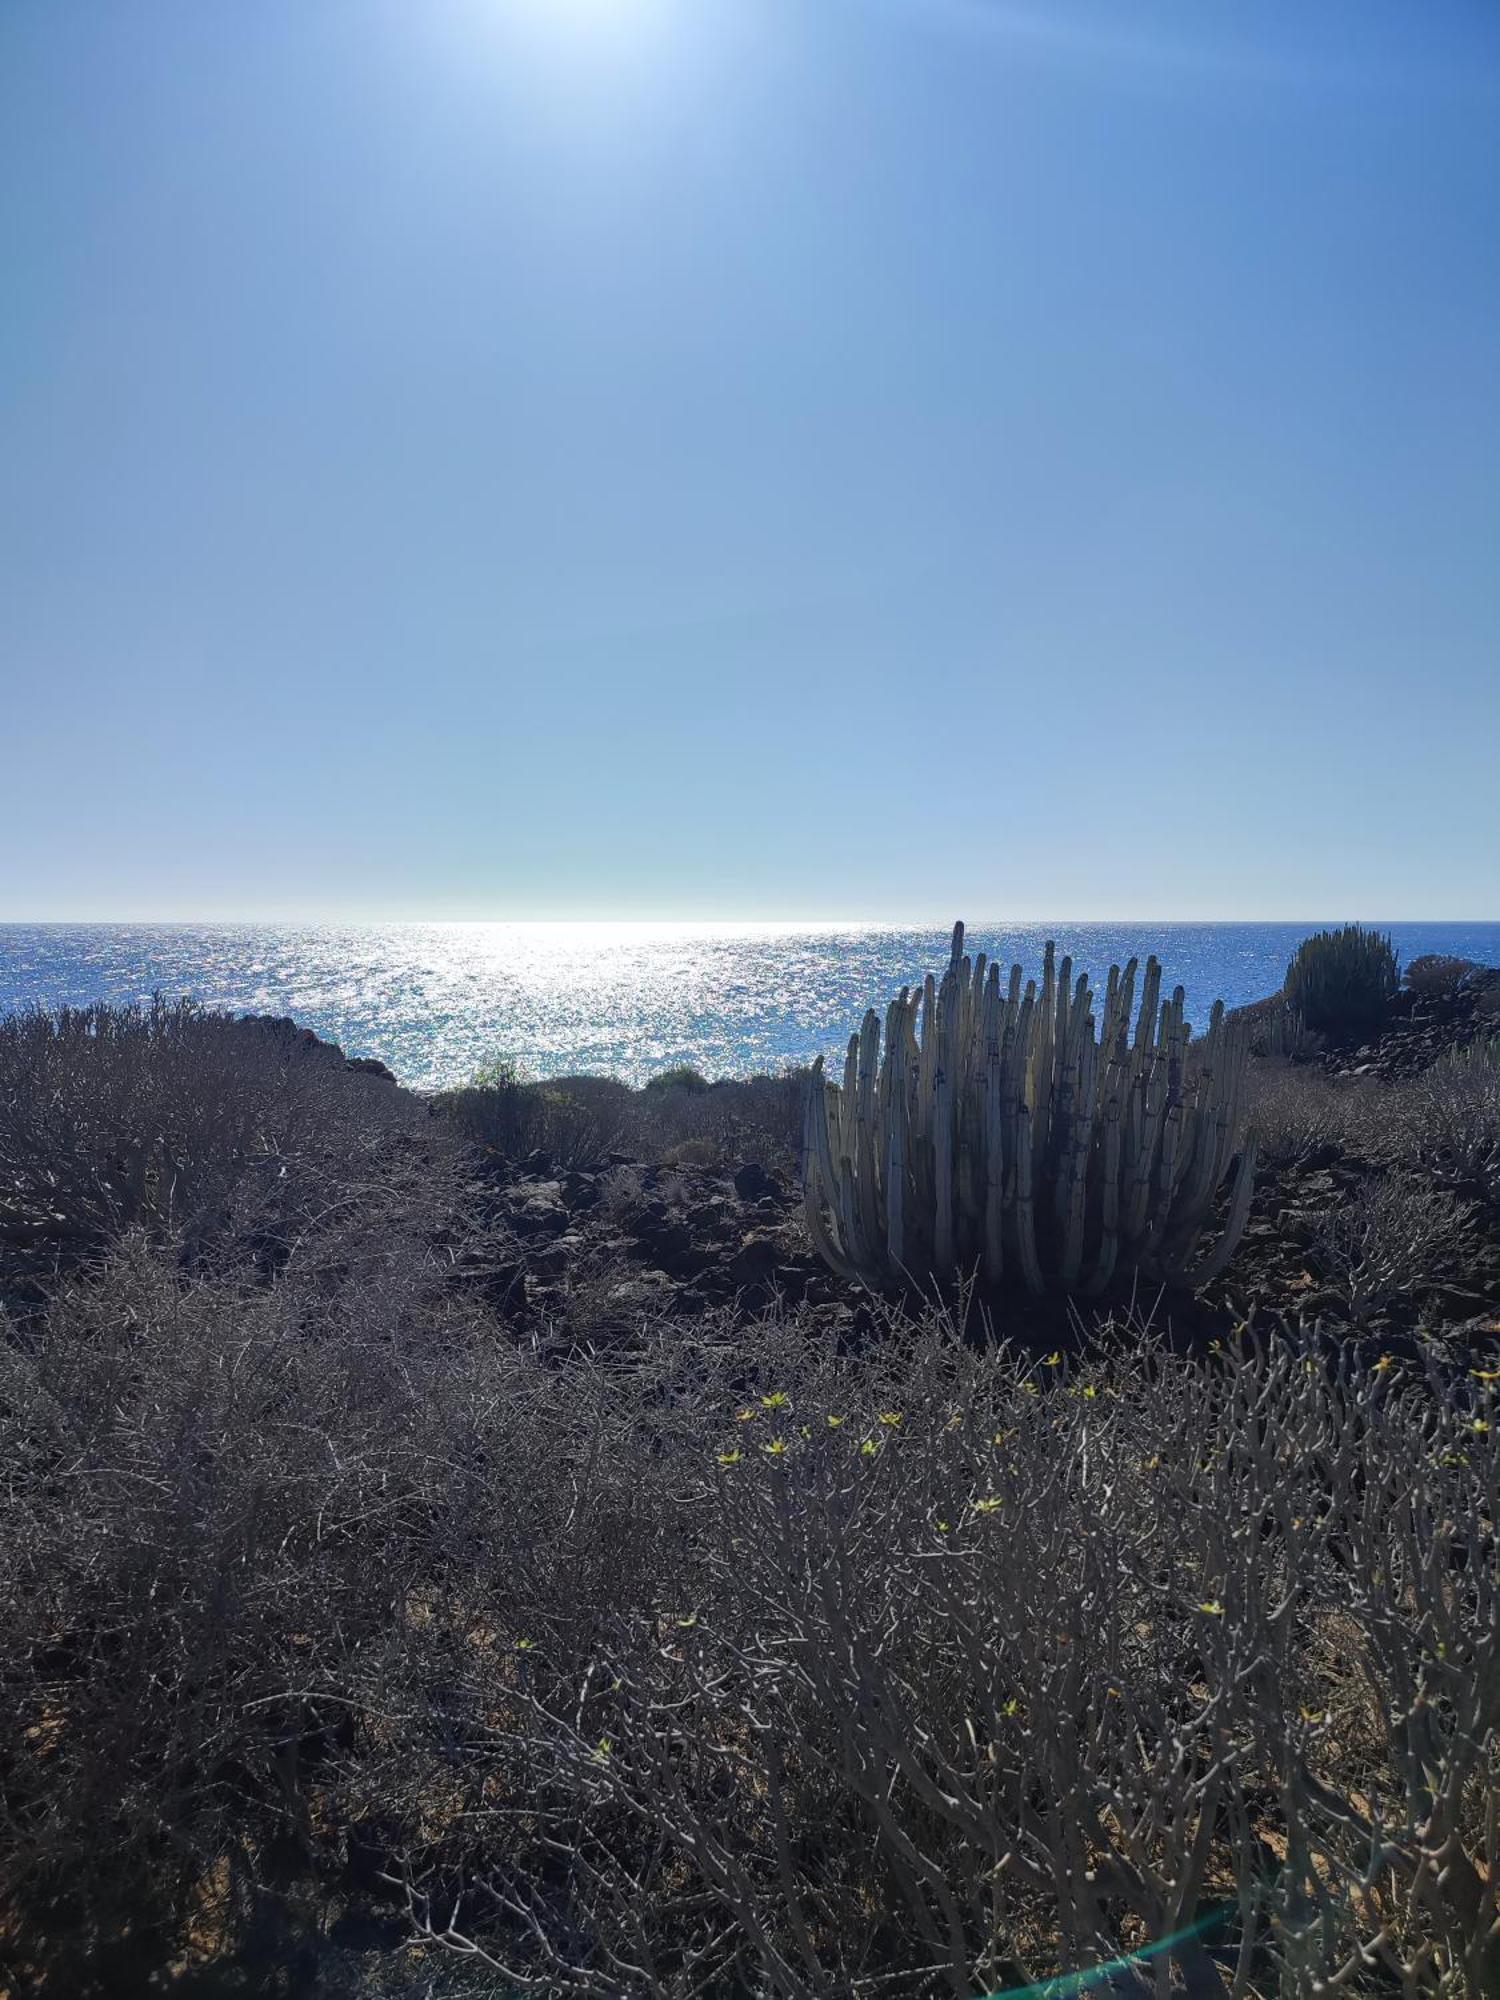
(437,1000)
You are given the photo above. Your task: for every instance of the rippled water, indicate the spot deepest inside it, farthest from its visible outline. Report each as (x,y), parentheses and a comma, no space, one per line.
(436,1000)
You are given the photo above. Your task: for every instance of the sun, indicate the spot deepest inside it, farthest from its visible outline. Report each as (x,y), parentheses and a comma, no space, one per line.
(616,21)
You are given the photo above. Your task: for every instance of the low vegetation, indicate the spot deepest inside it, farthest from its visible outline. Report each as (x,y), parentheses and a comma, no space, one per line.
(1437,975)
(363,1635)
(577,1121)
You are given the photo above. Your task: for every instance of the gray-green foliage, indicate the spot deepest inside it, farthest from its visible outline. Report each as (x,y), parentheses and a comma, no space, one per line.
(1342,981)
(1007,1132)
(747,1661)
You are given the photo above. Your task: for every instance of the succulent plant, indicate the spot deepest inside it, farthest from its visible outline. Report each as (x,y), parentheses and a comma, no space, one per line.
(1004,1133)
(1341,982)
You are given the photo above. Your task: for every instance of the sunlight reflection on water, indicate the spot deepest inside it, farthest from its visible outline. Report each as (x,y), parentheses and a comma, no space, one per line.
(436,1000)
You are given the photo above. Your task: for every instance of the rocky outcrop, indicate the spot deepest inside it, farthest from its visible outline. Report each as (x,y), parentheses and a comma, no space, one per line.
(1423,1027)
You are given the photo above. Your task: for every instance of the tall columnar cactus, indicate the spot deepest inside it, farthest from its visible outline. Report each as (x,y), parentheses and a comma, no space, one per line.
(1343,981)
(999,1131)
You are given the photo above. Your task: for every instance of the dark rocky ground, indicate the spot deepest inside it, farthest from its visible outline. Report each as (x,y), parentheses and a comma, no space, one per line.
(569,1248)
(1421,1028)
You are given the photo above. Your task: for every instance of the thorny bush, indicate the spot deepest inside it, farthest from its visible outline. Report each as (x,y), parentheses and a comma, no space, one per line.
(958,1671)
(723,1661)
(206,1133)
(740,1664)
(1393,1237)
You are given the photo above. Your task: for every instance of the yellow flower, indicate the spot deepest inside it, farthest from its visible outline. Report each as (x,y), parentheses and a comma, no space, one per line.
(776,1448)
(1028,1388)
(1054,1359)
(1090,1393)
(777,1400)
(1011,1707)
(890,1418)
(955,1420)
(1312,1714)
(870,1447)
(803,1431)
(1479,1424)
(1001,1437)
(1150,1464)
(730,1457)
(1213,1607)
(602,1749)
(834,1422)
(746,1416)
(1485,1374)
(689,1622)
(942,1527)
(524,1645)
(1386,1361)
(989,1506)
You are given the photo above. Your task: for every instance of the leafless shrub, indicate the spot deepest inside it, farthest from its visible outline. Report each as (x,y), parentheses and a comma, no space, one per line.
(1396,1235)
(741,1663)
(747,1118)
(992,1676)
(1301,1114)
(1437,974)
(200,1488)
(1447,1122)
(575,1123)
(578,1120)
(163,1119)
(1443,1123)
(1297,1114)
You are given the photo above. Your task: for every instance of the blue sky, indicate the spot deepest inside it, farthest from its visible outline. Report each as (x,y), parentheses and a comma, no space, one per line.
(750,458)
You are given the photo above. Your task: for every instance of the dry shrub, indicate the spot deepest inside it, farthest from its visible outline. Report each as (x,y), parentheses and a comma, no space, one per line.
(726,1660)
(1303,1116)
(577,1121)
(200,1491)
(646,1677)
(745,1118)
(1394,1237)
(1298,1115)
(1436,975)
(995,1675)
(185,1124)
(1448,1121)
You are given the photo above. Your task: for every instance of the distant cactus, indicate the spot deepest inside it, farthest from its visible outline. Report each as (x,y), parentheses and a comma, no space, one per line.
(1010,1139)
(1342,981)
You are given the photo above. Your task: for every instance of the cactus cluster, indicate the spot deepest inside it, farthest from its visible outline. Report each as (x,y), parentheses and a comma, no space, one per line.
(999,1131)
(1341,982)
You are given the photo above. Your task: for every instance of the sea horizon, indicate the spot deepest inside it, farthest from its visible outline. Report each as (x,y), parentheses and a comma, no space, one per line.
(438,999)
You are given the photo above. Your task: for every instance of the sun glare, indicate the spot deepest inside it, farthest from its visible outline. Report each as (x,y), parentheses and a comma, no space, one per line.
(575,32)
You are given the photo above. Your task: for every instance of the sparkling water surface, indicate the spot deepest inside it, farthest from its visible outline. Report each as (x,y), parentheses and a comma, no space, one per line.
(437,1000)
